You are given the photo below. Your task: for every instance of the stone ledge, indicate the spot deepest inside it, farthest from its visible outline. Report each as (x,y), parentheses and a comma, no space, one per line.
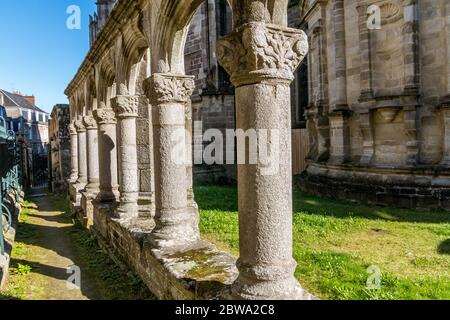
(195,272)
(378,186)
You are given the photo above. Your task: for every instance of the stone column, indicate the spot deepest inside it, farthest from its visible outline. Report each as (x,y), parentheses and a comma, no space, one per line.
(126,109)
(365,54)
(340,63)
(107,155)
(261,60)
(175,223)
(339,131)
(189,161)
(447,31)
(411,39)
(82,155)
(73,153)
(92,155)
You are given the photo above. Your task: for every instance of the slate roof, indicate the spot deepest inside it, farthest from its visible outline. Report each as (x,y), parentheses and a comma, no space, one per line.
(15,100)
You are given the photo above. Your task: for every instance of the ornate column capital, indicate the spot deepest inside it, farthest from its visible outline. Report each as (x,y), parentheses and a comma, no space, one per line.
(79,126)
(260,52)
(72,128)
(90,123)
(105,116)
(125,106)
(165,87)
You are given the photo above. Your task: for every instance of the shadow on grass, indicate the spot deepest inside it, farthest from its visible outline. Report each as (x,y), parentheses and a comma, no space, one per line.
(444,247)
(224,198)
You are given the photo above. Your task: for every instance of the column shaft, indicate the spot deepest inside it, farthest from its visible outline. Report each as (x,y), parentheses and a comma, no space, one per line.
(126,109)
(340,101)
(82,155)
(262,78)
(73,153)
(92,155)
(107,155)
(175,223)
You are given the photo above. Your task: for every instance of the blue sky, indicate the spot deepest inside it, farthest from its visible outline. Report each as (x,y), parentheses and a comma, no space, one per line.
(38,54)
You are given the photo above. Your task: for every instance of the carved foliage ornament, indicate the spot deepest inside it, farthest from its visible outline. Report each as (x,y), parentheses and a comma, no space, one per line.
(162,88)
(105,116)
(259,52)
(125,106)
(90,123)
(72,129)
(79,126)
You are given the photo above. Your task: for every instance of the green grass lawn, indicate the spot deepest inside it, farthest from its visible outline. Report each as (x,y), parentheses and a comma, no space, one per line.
(335,243)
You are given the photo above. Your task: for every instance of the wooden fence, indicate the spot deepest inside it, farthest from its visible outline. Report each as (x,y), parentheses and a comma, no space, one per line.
(300,150)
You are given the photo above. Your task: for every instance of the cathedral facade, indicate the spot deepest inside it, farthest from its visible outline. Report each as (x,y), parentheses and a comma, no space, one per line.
(379,93)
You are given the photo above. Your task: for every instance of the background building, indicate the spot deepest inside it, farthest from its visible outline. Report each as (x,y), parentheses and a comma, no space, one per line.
(378,116)
(59,148)
(31,124)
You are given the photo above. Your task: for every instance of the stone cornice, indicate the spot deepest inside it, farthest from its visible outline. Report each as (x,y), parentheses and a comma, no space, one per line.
(125,106)
(164,88)
(259,52)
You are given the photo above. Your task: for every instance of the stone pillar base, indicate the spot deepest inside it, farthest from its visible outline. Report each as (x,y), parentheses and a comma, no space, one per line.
(177,233)
(75,195)
(288,289)
(127,210)
(87,205)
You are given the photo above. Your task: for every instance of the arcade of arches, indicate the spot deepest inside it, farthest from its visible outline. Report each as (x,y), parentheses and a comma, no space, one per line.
(130,95)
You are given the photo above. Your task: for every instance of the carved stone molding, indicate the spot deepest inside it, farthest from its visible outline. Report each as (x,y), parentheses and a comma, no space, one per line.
(72,129)
(259,52)
(164,87)
(125,106)
(105,116)
(79,126)
(90,123)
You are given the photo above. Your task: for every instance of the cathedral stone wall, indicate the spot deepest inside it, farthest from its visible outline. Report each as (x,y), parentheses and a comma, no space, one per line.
(378,101)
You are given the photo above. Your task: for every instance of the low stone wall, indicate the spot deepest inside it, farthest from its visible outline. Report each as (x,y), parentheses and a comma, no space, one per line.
(199,271)
(15,208)
(418,187)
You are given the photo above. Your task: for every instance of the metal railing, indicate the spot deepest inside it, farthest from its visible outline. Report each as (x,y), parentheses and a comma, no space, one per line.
(10,177)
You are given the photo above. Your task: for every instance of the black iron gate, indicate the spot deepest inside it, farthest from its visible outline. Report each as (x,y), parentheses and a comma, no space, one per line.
(40,171)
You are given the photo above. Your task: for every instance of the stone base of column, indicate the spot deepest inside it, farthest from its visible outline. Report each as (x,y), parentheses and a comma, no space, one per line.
(75,195)
(127,210)
(181,231)
(107,197)
(87,198)
(267,283)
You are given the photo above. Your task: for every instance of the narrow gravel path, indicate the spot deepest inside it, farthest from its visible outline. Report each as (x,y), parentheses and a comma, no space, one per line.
(50,251)
(48,243)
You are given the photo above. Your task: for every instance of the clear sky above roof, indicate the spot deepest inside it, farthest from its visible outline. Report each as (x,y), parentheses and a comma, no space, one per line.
(39,55)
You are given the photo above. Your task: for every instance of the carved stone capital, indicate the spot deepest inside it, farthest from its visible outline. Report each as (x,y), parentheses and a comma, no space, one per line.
(105,116)
(72,129)
(125,106)
(259,52)
(90,123)
(164,88)
(79,126)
